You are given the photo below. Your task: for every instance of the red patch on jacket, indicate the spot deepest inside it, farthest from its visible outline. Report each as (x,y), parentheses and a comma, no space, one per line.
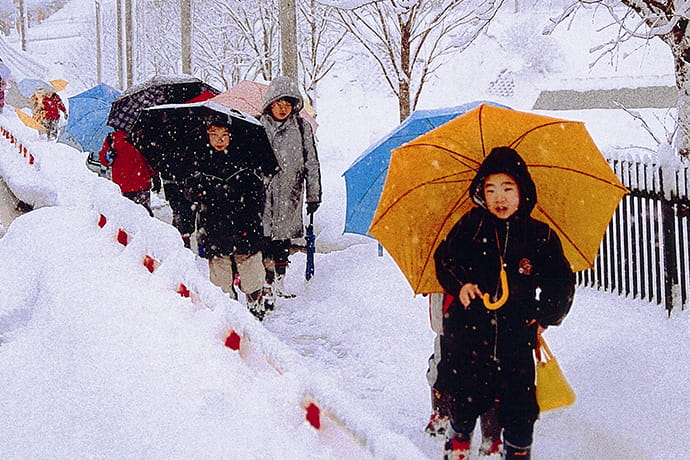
(525,267)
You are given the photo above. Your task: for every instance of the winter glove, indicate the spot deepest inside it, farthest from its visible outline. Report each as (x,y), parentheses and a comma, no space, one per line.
(156,183)
(109,156)
(312,206)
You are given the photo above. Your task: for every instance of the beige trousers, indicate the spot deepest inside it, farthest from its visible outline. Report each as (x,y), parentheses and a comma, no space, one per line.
(250,267)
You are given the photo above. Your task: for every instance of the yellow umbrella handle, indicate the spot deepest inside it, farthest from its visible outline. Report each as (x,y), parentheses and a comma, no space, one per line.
(504,294)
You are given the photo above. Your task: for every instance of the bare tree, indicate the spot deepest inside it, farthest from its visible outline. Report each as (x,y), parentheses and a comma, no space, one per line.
(158,47)
(241,40)
(409,38)
(320,35)
(247,31)
(645,20)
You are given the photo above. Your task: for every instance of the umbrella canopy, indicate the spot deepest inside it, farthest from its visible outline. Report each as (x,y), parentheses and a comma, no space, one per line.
(59,84)
(5,72)
(88,112)
(248,96)
(14,98)
(168,135)
(28,120)
(365,177)
(28,86)
(170,89)
(426,190)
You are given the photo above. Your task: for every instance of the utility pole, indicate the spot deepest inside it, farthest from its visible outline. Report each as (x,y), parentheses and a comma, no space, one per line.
(99,57)
(186,35)
(288,38)
(128,43)
(21,4)
(120,46)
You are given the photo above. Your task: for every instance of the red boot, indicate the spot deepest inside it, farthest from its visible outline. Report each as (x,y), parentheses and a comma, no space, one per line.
(457,447)
(440,415)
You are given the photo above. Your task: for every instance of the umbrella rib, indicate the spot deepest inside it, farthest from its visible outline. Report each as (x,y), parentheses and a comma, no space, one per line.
(430,254)
(438,180)
(522,136)
(554,224)
(580,172)
(481,130)
(462,159)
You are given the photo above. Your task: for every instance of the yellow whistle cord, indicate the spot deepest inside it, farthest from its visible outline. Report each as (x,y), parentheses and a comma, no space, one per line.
(504,282)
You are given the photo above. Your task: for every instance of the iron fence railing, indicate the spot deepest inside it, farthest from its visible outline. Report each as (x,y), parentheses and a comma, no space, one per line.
(645,253)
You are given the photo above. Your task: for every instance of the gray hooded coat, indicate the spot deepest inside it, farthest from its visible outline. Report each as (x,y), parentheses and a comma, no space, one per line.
(293,143)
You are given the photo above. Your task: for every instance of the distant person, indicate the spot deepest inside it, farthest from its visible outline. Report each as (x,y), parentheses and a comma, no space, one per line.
(441,402)
(47,106)
(130,170)
(487,350)
(293,142)
(228,189)
(3,85)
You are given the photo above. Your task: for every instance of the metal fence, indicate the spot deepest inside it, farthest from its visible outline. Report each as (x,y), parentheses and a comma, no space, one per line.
(645,253)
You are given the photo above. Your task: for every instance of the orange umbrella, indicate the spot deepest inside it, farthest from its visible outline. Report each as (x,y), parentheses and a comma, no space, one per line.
(59,84)
(28,120)
(426,189)
(248,96)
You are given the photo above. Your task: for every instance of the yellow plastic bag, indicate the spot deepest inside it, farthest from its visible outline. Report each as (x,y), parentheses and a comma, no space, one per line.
(553,389)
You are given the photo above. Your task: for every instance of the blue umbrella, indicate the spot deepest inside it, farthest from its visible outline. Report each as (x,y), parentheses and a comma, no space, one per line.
(28,86)
(5,72)
(364,179)
(88,113)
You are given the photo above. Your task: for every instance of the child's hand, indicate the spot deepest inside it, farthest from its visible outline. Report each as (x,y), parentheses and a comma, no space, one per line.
(468,293)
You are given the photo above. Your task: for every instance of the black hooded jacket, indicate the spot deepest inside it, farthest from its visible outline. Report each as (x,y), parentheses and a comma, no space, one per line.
(475,338)
(229,192)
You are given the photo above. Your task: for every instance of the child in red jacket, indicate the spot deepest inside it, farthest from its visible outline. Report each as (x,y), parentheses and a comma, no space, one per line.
(47,106)
(129,168)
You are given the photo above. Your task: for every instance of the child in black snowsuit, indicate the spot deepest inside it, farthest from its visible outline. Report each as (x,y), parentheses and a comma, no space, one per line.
(487,355)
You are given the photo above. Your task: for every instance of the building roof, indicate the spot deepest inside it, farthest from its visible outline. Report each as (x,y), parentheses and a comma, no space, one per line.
(631,98)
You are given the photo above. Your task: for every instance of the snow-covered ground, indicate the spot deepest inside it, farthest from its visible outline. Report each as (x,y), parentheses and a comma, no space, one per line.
(102,359)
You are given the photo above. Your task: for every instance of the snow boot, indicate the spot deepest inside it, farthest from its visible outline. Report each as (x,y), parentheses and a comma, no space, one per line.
(269,297)
(279,287)
(440,415)
(457,447)
(255,304)
(513,452)
(491,450)
(491,447)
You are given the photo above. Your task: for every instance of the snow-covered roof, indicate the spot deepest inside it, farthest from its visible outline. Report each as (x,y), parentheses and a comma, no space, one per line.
(659,97)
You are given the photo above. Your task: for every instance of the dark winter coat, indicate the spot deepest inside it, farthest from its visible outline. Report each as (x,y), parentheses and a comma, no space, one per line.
(293,143)
(229,194)
(488,354)
(130,170)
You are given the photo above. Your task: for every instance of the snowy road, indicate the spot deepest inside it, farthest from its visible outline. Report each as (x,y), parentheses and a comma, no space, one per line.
(8,205)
